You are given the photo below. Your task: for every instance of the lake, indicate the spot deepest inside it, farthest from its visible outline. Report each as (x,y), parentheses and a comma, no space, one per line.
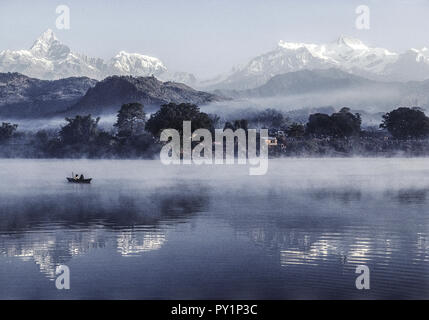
(143,230)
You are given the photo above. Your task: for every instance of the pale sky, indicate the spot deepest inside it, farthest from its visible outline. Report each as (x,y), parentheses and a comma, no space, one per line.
(209,37)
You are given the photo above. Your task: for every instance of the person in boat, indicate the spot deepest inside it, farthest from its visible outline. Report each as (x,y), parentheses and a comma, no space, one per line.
(76,177)
(82,177)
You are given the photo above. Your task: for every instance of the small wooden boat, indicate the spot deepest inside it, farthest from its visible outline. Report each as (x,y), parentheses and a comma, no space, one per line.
(79,180)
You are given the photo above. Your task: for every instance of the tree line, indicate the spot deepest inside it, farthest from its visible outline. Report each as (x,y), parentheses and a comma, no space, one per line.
(135,136)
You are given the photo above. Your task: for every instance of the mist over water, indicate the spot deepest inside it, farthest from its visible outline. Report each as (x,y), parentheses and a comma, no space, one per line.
(145,230)
(298,107)
(106,122)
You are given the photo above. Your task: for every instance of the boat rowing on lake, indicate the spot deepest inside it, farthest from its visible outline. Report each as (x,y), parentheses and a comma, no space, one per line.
(79,180)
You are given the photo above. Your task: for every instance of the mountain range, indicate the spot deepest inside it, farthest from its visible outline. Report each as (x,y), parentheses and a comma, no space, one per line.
(25,97)
(347,54)
(311,88)
(50,79)
(49,59)
(108,95)
(22,96)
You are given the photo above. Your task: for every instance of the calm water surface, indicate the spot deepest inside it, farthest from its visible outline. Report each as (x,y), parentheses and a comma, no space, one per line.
(147,231)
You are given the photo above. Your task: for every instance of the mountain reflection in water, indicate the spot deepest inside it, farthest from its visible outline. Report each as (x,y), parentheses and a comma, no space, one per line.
(151,231)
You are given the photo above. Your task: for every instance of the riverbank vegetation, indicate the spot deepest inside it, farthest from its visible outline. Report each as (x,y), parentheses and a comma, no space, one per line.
(403,131)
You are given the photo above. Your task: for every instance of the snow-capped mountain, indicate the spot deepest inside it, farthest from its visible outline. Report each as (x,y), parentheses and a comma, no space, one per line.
(347,54)
(135,64)
(49,59)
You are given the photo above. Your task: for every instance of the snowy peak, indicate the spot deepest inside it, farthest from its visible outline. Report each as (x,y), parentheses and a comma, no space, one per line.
(420,55)
(45,40)
(48,46)
(345,53)
(125,63)
(341,43)
(295,45)
(49,59)
(352,43)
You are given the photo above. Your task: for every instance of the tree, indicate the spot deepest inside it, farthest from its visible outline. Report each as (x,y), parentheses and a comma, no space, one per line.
(238,124)
(80,130)
(130,120)
(171,116)
(295,130)
(340,124)
(215,120)
(319,124)
(7,130)
(406,123)
(271,119)
(346,124)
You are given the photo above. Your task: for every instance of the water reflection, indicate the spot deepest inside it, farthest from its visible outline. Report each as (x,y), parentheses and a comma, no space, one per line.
(197,234)
(131,243)
(43,230)
(49,250)
(345,196)
(329,232)
(117,210)
(410,196)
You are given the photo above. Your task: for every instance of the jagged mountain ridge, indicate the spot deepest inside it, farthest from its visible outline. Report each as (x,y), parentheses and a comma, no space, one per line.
(347,54)
(49,59)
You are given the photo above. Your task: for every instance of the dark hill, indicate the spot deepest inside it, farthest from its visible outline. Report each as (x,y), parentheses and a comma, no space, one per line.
(108,95)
